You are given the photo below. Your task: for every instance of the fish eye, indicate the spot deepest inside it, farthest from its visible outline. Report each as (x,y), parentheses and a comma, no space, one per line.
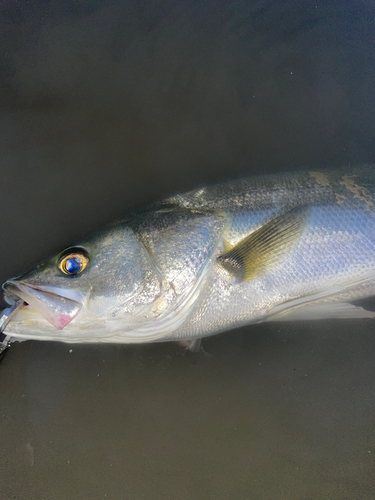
(73,262)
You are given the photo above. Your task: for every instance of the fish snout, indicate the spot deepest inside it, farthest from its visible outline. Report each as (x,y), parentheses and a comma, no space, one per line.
(58,306)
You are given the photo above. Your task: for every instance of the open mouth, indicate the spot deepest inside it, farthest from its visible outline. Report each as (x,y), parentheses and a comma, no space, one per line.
(58,306)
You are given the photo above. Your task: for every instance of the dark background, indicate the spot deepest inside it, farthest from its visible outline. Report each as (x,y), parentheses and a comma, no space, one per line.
(108,105)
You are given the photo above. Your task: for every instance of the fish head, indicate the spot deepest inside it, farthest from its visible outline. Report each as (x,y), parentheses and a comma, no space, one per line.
(83,291)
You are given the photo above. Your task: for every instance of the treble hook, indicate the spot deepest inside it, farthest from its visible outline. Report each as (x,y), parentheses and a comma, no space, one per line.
(5,317)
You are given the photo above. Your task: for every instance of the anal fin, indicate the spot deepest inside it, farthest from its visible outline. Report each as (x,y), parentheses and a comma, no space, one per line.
(326,310)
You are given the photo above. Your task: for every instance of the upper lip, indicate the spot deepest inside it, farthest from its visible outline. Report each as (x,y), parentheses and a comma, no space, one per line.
(58,306)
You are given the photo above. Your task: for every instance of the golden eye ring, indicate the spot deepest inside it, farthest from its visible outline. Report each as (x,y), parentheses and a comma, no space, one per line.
(73,263)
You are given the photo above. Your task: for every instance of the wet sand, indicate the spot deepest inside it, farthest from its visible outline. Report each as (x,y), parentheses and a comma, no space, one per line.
(106,106)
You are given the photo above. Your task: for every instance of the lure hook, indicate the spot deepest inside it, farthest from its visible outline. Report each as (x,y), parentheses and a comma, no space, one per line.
(5,317)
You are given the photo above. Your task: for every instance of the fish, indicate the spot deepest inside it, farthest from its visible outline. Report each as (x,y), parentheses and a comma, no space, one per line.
(282,247)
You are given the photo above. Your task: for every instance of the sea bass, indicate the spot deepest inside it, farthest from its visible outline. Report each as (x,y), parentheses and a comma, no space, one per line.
(280,247)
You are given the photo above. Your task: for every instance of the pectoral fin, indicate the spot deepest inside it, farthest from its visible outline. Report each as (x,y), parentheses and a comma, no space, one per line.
(262,249)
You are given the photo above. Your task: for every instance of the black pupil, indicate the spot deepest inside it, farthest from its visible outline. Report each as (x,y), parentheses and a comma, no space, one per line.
(73,265)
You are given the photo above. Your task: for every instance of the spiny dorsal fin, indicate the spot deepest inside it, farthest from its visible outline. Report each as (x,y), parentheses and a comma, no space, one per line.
(263,248)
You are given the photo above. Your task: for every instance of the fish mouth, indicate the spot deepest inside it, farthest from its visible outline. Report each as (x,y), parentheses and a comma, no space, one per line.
(57,305)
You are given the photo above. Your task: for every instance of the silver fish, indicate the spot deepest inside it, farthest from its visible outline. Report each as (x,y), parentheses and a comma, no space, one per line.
(279,247)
